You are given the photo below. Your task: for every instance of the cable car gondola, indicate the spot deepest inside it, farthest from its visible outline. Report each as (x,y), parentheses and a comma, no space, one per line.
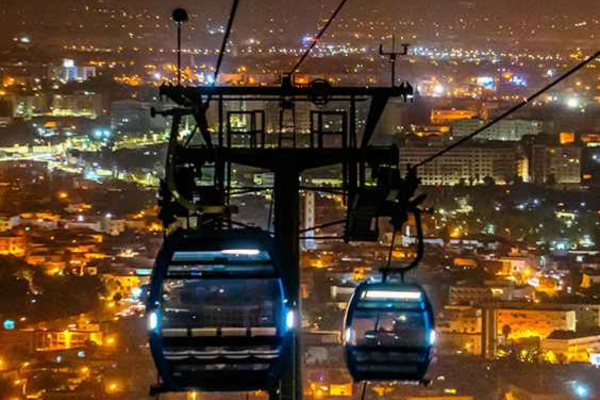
(389,329)
(217,313)
(389,332)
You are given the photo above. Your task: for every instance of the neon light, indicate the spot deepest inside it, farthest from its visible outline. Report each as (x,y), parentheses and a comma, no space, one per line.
(392,295)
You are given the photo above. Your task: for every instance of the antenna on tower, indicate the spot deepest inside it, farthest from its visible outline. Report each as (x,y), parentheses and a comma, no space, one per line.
(393,55)
(180,16)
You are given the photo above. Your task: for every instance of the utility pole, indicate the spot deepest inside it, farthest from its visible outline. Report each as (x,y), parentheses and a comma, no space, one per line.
(180,16)
(393,55)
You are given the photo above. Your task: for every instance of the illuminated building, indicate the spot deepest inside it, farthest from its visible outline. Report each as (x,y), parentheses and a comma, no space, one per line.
(470,294)
(534,322)
(53,262)
(84,104)
(464,164)
(40,220)
(81,223)
(517,264)
(493,291)
(48,340)
(120,283)
(459,330)
(590,278)
(552,165)
(112,226)
(28,106)
(442,116)
(507,130)
(434,130)
(69,71)
(566,137)
(12,245)
(591,139)
(7,223)
(523,169)
(571,347)
(464,262)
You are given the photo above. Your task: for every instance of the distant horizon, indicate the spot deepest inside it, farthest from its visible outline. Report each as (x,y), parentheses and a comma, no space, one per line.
(538,24)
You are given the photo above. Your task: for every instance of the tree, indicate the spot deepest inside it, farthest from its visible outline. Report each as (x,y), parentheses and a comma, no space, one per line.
(68,295)
(489,181)
(14,296)
(551,180)
(27,290)
(506,331)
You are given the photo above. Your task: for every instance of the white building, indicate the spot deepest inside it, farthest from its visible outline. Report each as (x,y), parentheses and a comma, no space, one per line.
(507,130)
(468,164)
(572,347)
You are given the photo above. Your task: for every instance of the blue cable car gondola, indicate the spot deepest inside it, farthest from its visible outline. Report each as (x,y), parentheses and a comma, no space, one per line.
(389,333)
(389,330)
(217,313)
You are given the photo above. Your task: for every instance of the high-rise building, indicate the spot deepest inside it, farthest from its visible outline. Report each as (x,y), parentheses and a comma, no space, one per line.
(469,165)
(506,130)
(28,106)
(84,104)
(555,164)
(69,71)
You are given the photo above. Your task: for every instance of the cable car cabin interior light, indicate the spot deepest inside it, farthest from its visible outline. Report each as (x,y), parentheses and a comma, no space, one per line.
(246,252)
(217,313)
(389,333)
(392,295)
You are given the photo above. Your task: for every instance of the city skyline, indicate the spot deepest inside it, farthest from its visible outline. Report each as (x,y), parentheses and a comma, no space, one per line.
(556,25)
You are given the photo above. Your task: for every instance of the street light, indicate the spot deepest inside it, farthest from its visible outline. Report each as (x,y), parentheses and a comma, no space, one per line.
(581,390)
(112,388)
